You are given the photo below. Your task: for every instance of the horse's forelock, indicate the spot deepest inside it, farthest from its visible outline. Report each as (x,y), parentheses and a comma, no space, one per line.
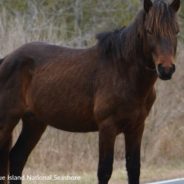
(161,19)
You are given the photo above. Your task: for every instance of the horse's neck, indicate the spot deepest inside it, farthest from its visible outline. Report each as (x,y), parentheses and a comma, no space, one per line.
(145,78)
(141,79)
(142,60)
(135,64)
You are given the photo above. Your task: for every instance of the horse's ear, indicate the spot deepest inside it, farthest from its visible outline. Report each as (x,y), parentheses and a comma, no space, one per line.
(147,5)
(175,5)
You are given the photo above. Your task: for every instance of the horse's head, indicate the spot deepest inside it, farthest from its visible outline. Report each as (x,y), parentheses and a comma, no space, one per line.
(160,30)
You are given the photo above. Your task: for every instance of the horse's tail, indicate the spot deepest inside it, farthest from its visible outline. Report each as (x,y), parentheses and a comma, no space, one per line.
(22,67)
(16,73)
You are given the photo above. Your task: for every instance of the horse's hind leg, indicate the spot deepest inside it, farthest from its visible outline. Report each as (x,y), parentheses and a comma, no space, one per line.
(29,137)
(7,124)
(4,160)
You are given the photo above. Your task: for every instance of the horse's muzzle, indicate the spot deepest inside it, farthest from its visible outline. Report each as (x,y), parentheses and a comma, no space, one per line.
(165,73)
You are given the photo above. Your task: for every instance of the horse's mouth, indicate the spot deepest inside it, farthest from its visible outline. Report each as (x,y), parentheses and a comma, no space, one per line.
(165,77)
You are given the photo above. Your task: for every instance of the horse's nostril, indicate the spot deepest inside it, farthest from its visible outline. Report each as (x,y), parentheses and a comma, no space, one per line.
(170,70)
(167,70)
(160,68)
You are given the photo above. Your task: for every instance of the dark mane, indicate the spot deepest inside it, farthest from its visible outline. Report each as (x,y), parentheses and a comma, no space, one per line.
(120,43)
(110,43)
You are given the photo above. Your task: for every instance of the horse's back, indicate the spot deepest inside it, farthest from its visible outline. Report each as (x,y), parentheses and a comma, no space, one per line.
(43,52)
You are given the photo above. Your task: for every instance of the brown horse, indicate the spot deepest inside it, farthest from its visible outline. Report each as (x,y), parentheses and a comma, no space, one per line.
(107,88)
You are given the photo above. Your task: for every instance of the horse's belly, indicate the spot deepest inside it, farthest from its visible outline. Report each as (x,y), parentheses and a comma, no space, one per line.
(75,125)
(68,118)
(75,115)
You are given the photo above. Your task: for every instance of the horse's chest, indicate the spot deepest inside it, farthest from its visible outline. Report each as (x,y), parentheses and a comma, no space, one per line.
(130,108)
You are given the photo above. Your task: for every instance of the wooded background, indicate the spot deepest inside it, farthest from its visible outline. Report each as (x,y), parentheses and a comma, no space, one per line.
(74,23)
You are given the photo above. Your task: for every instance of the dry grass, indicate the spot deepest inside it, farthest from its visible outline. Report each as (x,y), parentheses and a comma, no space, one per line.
(61,152)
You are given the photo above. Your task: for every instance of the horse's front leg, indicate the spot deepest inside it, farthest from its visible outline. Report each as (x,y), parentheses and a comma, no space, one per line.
(4,160)
(133,137)
(107,135)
